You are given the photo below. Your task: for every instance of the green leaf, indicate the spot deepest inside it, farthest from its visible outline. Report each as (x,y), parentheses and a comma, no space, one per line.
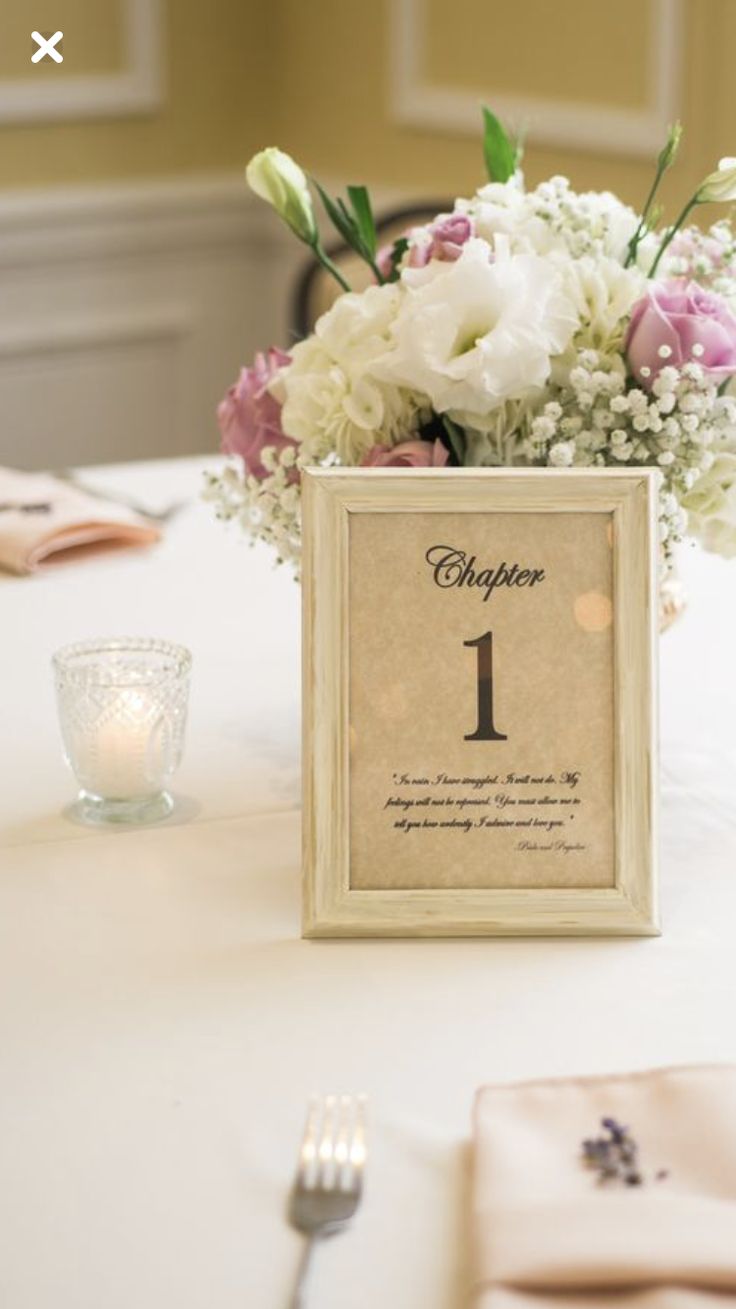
(357,229)
(339,218)
(398,250)
(518,144)
(455,437)
(360,200)
(498,151)
(347,216)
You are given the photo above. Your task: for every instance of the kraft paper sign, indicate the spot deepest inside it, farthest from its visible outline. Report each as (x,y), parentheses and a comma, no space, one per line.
(479,702)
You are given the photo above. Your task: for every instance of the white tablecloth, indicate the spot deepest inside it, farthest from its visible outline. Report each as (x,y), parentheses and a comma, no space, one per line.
(162,1023)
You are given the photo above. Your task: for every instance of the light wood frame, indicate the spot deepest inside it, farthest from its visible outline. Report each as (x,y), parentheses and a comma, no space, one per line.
(331,907)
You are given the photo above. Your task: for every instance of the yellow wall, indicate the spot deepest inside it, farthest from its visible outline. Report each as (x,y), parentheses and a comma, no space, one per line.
(94,43)
(338,122)
(312,76)
(218,53)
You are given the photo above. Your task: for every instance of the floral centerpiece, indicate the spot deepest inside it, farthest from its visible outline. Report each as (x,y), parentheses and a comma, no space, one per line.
(538,328)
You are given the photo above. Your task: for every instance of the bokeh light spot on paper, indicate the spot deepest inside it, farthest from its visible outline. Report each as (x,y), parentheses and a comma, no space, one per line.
(593,611)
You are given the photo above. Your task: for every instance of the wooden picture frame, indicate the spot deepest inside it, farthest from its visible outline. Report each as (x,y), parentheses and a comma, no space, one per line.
(398,842)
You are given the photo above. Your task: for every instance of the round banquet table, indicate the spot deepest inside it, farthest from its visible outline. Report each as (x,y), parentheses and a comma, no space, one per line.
(162,1023)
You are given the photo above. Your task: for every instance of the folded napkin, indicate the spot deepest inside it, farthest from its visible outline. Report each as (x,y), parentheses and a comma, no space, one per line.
(548,1233)
(41,516)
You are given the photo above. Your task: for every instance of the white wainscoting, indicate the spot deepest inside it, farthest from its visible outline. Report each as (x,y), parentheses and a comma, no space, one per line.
(125,312)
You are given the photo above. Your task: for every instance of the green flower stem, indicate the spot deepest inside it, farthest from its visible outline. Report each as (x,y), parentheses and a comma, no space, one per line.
(376,271)
(327,263)
(692,202)
(641,225)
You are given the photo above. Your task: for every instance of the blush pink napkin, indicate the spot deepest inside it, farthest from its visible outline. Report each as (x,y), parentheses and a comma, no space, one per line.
(73,520)
(547,1235)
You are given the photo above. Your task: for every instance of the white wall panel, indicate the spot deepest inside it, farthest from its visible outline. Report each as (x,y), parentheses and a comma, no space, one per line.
(125,312)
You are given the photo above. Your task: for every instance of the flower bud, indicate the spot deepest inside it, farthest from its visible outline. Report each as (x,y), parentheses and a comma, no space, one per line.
(276,178)
(721,185)
(669,152)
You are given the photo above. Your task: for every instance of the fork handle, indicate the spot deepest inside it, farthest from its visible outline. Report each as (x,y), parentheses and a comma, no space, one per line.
(299,1295)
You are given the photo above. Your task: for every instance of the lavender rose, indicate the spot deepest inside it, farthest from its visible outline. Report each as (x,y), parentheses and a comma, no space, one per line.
(443,239)
(409,454)
(677,322)
(249,417)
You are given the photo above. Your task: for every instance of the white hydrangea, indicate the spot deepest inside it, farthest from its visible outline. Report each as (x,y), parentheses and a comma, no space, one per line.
(334,400)
(604,293)
(499,443)
(711,503)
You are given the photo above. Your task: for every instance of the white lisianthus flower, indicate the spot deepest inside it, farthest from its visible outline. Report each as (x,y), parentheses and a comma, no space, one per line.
(474,333)
(711,505)
(334,402)
(604,293)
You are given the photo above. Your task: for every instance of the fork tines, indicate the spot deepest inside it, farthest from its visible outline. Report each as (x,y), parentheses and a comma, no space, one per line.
(333,1150)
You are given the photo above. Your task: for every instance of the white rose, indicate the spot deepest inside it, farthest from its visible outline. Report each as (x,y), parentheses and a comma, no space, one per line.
(711,506)
(477,332)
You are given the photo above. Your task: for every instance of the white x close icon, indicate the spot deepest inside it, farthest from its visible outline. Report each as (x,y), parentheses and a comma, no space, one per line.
(46,47)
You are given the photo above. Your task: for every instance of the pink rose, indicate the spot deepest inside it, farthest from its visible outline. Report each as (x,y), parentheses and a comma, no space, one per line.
(410,454)
(447,234)
(249,417)
(677,322)
(384,260)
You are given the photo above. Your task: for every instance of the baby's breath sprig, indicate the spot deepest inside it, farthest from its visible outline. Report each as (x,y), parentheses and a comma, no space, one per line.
(599,418)
(268,508)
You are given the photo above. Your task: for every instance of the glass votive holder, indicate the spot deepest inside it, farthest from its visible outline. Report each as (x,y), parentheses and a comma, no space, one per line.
(122,708)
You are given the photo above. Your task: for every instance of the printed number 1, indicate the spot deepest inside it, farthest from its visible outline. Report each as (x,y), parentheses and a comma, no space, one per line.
(485,730)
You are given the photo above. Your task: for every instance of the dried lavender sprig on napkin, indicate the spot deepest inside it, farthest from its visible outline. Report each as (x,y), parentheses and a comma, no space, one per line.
(614,1156)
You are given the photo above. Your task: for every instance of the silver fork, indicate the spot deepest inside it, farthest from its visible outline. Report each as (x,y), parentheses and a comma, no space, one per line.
(329,1177)
(69,476)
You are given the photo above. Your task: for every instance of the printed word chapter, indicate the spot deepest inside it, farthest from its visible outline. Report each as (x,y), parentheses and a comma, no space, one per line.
(452,567)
